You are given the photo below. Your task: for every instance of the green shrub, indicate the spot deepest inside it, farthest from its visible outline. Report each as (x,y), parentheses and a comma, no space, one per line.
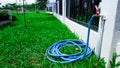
(4,15)
(14,18)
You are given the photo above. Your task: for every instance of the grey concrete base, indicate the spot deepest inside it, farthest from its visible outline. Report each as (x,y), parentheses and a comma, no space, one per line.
(5,22)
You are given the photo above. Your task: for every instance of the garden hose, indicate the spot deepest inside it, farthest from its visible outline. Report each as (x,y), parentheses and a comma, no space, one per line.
(53,52)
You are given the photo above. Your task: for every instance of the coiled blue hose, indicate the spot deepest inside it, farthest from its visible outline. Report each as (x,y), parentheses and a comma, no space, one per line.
(54,50)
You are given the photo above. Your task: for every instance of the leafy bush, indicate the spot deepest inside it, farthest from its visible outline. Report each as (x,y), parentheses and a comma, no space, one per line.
(4,15)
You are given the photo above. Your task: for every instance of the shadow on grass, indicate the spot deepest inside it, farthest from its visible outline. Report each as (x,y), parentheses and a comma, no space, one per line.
(50,18)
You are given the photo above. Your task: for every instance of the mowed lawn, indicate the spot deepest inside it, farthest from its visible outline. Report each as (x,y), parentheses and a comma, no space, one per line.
(22,47)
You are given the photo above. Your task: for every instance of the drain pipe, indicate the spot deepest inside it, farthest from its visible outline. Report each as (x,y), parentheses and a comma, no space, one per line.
(100,39)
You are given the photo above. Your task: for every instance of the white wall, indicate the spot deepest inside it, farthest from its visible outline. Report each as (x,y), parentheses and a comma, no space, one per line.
(109,9)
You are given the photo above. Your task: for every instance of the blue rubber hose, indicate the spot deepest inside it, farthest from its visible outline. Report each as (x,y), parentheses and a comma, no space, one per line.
(54,50)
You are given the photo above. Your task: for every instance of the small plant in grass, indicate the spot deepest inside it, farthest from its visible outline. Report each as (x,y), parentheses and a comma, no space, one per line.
(113,63)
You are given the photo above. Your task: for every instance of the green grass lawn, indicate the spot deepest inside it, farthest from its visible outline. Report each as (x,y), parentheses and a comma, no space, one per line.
(25,47)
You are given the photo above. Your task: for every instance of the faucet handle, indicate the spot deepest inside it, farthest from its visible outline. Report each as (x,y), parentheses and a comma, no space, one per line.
(97,11)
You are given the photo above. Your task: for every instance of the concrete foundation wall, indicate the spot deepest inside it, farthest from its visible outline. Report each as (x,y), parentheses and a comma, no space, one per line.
(81,31)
